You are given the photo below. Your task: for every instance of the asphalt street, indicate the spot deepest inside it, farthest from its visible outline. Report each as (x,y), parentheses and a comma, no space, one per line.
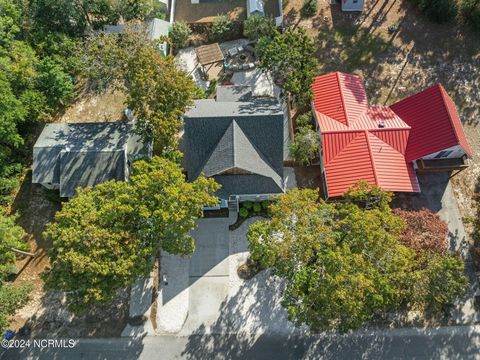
(456,342)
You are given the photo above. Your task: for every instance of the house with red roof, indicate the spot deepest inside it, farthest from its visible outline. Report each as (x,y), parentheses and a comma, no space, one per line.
(384,145)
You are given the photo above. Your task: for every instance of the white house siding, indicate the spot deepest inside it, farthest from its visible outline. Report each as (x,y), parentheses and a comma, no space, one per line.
(352,5)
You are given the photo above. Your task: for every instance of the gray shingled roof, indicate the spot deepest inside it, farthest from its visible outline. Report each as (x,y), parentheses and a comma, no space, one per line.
(84,154)
(240,145)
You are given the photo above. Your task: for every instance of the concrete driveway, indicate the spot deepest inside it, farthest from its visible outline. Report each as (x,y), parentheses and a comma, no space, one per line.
(198,285)
(208,274)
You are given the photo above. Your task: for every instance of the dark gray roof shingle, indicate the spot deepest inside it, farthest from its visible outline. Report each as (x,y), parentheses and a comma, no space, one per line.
(83,154)
(238,144)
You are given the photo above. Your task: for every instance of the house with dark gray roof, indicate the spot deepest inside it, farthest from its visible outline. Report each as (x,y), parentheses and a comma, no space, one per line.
(71,155)
(239,144)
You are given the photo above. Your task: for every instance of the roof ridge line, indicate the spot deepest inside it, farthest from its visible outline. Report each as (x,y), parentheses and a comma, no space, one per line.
(346,145)
(342,98)
(443,94)
(371,158)
(234,122)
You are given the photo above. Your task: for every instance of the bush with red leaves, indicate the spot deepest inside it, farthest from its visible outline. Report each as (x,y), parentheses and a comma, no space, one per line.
(425,231)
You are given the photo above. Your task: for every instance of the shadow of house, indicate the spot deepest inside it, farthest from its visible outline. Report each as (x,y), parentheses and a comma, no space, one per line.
(67,156)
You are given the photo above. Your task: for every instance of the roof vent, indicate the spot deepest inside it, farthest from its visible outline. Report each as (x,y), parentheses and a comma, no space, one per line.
(381,124)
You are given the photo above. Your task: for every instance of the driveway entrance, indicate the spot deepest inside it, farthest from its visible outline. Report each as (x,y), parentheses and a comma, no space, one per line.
(208,274)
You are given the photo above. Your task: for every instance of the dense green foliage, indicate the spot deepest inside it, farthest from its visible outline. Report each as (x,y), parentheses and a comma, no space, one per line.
(11,236)
(438,10)
(310,8)
(470,10)
(72,17)
(180,34)
(222,28)
(34,82)
(290,56)
(256,27)
(306,146)
(12,298)
(157,91)
(343,262)
(304,120)
(105,238)
(442,11)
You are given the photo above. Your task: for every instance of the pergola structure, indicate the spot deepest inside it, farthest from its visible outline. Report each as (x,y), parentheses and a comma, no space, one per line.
(209,55)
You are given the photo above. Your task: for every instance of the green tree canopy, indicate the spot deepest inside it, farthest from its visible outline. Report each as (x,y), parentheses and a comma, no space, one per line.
(157,91)
(290,56)
(11,237)
(56,85)
(104,238)
(343,262)
(306,146)
(256,27)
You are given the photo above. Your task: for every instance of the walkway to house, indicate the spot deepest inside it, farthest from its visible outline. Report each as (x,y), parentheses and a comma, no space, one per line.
(204,294)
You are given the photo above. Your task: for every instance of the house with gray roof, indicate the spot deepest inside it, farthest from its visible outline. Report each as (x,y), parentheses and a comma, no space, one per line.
(71,155)
(240,144)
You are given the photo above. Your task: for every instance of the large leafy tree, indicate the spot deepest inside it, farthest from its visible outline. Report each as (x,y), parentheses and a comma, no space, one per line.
(11,297)
(290,56)
(157,91)
(343,262)
(55,84)
(105,238)
(11,238)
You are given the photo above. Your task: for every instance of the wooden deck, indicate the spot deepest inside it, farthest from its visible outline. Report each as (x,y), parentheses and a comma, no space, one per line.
(440,165)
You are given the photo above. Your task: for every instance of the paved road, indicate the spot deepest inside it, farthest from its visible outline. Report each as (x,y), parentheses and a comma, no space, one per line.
(443,343)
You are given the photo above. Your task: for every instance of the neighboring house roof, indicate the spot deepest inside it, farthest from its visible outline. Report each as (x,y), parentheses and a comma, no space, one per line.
(358,142)
(154,29)
(434,120)
(157,28)
(239,144)
(84,154)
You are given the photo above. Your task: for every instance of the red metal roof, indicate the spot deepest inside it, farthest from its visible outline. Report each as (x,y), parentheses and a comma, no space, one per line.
(434,120)
(358,142)
(340,97)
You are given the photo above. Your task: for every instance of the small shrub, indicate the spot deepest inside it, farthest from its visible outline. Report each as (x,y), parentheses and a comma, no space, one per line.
(309,8)
(257,207)
(199,93)
(248,205)
(12,298)
(304,120)
(211,88)
(248,270)
(265,204)
(222,28)
(180,34)
(243,212)
(305,147)
(256,27)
